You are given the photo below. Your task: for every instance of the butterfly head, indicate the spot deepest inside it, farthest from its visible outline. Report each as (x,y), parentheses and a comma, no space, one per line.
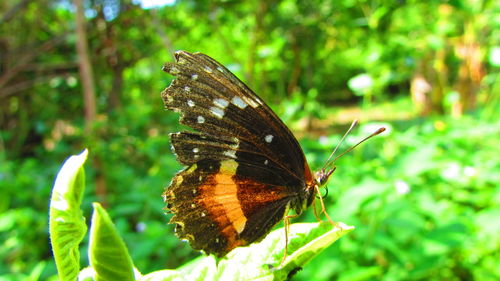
(323,175)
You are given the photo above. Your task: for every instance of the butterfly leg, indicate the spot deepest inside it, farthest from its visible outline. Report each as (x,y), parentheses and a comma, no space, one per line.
(315,210)
(286,221)
(323,209)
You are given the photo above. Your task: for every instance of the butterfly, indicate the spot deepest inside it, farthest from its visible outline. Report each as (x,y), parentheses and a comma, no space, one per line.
(244,168)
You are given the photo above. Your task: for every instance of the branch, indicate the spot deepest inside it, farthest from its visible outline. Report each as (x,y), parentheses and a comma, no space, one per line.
(24,61)
(24,85)
(14,11)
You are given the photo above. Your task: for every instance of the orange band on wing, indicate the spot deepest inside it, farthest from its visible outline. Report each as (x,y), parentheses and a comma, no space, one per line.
(219,196)
(226,194)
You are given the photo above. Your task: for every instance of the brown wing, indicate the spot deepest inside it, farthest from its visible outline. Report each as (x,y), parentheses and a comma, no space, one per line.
(216,210)
(217,104)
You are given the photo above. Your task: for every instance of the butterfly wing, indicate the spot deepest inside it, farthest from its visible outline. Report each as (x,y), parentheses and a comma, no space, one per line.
(217,210)
(244,165)
(213,101)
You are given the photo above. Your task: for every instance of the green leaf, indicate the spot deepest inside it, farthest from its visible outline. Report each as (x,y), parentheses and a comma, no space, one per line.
(202,268)
(263,260)
(108,254)
(67,224)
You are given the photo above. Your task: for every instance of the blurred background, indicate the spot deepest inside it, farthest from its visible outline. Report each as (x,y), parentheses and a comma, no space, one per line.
(425,197)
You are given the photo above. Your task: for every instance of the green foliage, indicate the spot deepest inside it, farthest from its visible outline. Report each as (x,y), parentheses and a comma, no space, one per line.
(423,209)
(424,199)
(67,225)
(261,261)
(108,254)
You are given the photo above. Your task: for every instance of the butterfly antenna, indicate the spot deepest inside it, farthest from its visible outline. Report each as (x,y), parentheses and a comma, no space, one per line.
(380,130)
(353,124)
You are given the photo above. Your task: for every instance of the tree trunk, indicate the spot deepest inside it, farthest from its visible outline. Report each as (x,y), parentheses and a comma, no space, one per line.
(255,40)
(85,67)
(470,72)
(89,100)
(296,65)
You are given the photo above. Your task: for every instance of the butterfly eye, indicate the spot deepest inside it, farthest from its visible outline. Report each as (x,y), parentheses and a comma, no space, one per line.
(322,176)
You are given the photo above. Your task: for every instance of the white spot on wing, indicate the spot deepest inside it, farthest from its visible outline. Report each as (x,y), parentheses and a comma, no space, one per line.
(196,150)
(218,112)
(194,76)
(230,153)
(203,214)
(239,102)
(220,69)
(193,206)
(208,69)
(266,162)
(236,143)
(174,70)
(201,119)
(190,103)
(220,102)
(187,89)
(269,138)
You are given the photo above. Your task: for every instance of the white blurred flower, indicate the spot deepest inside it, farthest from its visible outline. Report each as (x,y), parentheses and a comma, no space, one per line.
(323,140)
(371,127)
(470,171)
(360,84)
(140,227)
(402,187)
(452,171)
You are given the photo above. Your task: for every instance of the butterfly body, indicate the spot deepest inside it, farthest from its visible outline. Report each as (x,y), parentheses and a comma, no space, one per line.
(244,168)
